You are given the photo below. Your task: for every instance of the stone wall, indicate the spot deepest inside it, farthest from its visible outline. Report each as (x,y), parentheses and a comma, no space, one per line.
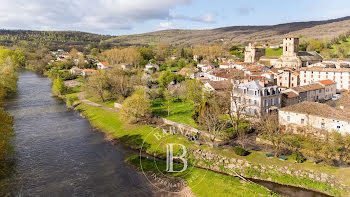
(240,167)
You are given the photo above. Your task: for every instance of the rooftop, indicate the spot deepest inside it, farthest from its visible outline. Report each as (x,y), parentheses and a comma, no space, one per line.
(321,69)
(326,82)
(291,94)
(310,56)
(318,109)
(219,85)
(309,87)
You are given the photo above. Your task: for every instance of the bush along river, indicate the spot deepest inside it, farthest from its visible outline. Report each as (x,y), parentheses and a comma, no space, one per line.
(58,153)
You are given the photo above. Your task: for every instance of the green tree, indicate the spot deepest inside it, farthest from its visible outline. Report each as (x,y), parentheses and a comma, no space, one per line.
(97,85)
(168,99)
(58,87)
(165,78)
(136,107)
(195,92)
(6,134)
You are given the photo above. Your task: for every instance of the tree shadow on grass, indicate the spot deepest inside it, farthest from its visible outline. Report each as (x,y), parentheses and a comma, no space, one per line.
(135,141)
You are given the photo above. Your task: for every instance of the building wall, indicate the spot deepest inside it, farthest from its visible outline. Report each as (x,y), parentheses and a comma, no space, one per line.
(261,103)
(288,101)
(316,95)
(252,53)
(330,90)
(288,79)
(290,46)
(341,78)
(295,120)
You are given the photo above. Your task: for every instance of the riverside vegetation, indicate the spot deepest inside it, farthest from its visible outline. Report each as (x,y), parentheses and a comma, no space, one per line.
(10,61)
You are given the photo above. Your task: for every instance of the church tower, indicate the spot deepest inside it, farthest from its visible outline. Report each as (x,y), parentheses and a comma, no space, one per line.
(290,46)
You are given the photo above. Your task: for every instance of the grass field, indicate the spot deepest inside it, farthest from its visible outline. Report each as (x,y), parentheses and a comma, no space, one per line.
(204,183)
(135,135)
(274,52)
(180,111)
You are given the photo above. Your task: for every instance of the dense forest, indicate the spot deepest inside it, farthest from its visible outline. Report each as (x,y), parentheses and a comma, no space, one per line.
(52,39)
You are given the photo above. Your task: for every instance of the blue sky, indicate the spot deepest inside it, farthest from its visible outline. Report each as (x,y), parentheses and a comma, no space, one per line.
(119,17)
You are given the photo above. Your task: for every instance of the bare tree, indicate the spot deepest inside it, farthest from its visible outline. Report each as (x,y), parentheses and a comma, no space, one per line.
(210,121)
(234,104)
(271,127)
(97,84)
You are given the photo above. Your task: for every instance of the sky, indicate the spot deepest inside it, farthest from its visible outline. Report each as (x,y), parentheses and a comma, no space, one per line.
(121,17)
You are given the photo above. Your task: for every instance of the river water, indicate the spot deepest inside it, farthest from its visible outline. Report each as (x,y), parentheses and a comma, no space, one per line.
(58,153)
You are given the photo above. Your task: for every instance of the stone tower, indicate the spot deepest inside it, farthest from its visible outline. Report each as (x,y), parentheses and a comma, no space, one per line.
(290,46)
(252,53)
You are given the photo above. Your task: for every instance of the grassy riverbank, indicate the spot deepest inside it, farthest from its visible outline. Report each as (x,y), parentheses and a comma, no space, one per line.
(203,182)
(134,135)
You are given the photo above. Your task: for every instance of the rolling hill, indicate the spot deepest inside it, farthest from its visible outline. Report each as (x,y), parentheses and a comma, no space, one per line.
(272,34)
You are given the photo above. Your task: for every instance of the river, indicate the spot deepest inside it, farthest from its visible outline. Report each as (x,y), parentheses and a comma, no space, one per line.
(58,153)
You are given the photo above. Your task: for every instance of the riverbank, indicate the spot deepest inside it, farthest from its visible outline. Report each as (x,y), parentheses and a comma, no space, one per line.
(321,178)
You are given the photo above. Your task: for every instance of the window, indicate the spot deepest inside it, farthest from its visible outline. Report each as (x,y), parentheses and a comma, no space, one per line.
(323,125)
(255,102)
(302,121)
(288,118)
(338,127)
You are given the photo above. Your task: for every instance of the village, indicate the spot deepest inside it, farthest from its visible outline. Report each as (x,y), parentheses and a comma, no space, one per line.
(287,85)
(290,108)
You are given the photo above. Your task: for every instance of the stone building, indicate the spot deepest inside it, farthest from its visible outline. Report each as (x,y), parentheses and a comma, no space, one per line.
(254,99)
(294,59)
(253,53)
(330,88)
(311,93)
(309,115)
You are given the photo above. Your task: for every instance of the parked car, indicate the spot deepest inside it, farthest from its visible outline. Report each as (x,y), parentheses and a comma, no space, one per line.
(335,97)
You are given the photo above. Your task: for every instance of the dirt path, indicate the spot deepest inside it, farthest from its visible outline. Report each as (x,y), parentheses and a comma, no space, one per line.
(81,97)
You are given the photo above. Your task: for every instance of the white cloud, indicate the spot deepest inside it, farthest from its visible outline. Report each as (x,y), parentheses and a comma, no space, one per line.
(84,15)
(207,18)
(166,25)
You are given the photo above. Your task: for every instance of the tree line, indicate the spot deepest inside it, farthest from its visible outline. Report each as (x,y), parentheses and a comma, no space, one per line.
(10,61)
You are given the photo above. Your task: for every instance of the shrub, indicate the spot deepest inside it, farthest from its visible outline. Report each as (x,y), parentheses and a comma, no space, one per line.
(240,151)
(298,157)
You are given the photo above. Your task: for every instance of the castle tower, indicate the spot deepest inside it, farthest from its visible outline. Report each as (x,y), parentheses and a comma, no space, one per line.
(290,46)
(252,53)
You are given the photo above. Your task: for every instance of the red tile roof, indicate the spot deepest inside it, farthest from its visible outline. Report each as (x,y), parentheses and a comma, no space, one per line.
(104,63)
(225,64)
(327,82)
